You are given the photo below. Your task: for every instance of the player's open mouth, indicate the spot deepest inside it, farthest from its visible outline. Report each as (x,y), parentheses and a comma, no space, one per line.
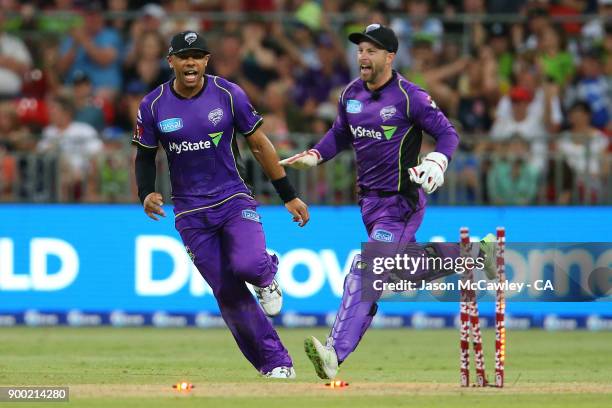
(365,69)
(191,75)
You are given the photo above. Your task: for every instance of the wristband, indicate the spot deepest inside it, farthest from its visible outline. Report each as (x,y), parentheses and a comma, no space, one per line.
(284,189)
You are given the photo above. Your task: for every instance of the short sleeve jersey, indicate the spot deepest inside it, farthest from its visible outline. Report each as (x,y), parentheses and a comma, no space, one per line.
(198,135)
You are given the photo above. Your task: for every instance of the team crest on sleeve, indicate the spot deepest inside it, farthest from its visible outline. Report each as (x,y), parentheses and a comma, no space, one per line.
(138,132)
(387,112)
(215,116)
(432,103)
(353,106)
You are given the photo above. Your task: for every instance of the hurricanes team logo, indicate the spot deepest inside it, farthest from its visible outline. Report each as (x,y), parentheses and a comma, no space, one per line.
(190,38)
(387,113)
(215,116)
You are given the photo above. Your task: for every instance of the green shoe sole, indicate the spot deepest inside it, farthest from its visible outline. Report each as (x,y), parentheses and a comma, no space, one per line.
(314,357)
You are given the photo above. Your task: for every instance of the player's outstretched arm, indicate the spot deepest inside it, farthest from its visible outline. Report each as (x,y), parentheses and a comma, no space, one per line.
(304,160)
(265,154)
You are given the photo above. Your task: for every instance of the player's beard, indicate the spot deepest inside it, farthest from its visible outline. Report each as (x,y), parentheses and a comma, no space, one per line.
(370,76)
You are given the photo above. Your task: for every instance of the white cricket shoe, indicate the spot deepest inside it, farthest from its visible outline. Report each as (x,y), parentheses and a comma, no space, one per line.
(323,358)
(286,373)
(270,298)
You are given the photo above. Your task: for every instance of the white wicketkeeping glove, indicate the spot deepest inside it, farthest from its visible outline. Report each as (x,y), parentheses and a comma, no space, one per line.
(304,160)
(430,173)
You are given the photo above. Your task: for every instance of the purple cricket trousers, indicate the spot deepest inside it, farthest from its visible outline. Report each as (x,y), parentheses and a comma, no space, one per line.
(228,246)
(387,219)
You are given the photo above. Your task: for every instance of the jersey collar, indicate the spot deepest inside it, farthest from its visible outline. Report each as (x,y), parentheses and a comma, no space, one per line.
(383,86)
(194,96)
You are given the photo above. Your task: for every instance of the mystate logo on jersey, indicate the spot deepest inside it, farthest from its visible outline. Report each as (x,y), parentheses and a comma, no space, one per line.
(186,146)
(360,131)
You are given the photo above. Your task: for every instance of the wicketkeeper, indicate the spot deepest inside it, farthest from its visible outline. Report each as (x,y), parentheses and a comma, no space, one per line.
(382,116)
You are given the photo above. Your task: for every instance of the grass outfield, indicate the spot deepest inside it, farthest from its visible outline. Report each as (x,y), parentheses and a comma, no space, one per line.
(136,367)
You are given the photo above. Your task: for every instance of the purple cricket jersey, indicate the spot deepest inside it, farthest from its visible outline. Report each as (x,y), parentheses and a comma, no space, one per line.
(199,137)
(385,129)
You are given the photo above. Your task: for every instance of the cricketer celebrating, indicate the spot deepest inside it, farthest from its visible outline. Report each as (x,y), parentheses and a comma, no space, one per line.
(382,115)
(195,117)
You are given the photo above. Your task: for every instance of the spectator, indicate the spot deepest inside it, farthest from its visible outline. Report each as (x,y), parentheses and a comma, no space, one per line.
(285,70)
(119,19)
(315,85)
(75,143)
(149,50)
(512,180)
(568,9)
(546,103)
(181,19)
(473,111)
(152,18)
(593,87)
(360,12)
(225,60)
(417,20)
(280,117)
(520,119)
(111,172)
(584,148)
(308,12)
(258,56)
(538,20)
(95,50)
(500,45)
(15,61)
(556,65)
(435,78)
(14,136)
(303,50)
(59,18)
(88,109)
(7,173)
(594,31)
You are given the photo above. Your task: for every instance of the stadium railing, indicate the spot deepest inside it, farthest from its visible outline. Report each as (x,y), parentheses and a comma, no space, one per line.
(488,178)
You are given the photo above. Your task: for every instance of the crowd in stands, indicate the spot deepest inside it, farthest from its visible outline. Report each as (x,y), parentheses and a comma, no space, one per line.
(527,83)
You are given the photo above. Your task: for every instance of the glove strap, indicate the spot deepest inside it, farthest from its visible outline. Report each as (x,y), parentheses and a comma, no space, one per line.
(316,153)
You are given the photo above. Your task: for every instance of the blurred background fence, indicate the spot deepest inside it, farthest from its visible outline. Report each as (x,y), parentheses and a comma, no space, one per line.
(502,174)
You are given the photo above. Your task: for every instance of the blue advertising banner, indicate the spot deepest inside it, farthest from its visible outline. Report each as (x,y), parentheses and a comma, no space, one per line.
(113,258)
